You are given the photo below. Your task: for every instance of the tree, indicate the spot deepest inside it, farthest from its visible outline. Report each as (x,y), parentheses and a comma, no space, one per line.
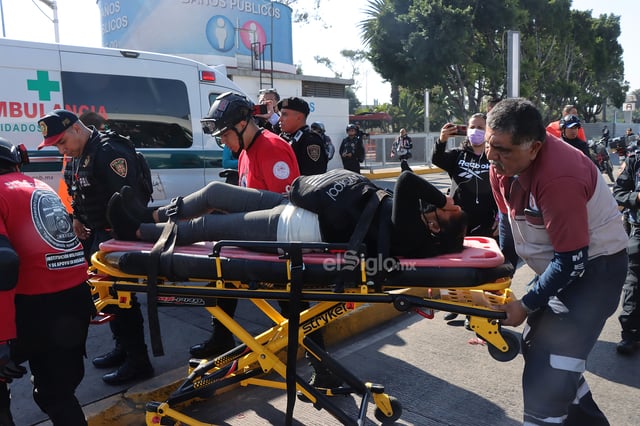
(459,46)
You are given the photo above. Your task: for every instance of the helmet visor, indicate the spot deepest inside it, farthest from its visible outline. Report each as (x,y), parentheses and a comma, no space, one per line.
(211,126)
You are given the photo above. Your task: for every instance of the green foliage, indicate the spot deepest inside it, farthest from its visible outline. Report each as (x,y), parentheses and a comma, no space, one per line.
(458,50)
(354,103)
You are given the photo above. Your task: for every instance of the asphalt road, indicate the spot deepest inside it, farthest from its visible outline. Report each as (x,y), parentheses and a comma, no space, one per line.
(430,366)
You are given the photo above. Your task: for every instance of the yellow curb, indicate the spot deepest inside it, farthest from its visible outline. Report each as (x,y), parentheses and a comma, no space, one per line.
(128,408)
(394,172)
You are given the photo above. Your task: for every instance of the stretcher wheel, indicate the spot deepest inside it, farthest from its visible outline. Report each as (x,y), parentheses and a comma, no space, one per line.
(514,347)
(397,412)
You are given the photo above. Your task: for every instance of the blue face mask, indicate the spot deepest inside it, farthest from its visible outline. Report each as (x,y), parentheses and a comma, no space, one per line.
(476,136)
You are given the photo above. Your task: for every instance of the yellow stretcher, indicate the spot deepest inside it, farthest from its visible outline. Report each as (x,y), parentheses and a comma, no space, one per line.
(467,283)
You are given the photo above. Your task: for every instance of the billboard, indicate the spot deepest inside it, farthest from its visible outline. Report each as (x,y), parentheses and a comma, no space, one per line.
(211,31)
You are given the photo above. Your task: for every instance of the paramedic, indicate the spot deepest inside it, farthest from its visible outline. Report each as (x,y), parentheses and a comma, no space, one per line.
(100,166)
(265,161)
(45,301)
(578,254)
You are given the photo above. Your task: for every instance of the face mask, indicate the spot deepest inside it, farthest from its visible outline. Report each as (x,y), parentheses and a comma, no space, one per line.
(476,136)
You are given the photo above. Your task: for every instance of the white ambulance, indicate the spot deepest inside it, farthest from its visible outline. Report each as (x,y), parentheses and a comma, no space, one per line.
(157,100)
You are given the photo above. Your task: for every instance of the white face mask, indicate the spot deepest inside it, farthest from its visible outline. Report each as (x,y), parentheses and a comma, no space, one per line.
(476,136)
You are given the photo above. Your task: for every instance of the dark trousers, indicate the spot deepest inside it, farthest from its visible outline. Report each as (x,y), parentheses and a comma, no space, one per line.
(52,332)
(630,316)
(558,339)
(127,326)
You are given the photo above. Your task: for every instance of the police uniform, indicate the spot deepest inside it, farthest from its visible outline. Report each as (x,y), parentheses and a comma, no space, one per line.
(625,191)
(50,306)
(103,168)
(308,146)
(310,151)
(353,146)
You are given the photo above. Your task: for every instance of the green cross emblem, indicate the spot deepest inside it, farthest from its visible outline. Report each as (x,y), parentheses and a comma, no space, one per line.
(43,85)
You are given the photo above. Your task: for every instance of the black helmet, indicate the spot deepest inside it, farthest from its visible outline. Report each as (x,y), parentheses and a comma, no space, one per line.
(352,126)
(13,154)
(228,110)
(318,126)
(569,121)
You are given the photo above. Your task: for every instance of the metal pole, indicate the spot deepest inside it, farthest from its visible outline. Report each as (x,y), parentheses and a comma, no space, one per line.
(513,64)
(54,6)
(2,16)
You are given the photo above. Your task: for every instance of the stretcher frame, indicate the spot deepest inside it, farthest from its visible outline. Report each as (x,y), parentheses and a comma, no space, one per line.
(259,355)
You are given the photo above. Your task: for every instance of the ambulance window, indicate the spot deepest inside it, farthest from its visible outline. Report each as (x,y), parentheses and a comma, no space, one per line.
(153,112)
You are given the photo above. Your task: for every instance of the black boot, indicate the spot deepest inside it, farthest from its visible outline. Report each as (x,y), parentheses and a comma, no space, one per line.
(321,377)
(136,367)
(214,346)
(5,406)
(135,207)
(112,359)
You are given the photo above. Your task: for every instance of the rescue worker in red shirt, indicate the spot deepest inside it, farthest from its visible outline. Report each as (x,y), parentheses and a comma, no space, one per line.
(45,301)
(265,161)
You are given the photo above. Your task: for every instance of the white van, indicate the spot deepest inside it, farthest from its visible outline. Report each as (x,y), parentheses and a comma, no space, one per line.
(157,100)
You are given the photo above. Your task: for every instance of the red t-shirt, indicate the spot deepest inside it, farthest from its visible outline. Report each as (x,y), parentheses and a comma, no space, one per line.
(269,163)
(37,225)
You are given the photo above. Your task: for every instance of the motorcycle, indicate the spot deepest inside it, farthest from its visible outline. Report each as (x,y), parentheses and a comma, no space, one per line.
(600,156)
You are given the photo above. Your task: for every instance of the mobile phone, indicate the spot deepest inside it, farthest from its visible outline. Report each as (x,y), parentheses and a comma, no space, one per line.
(461,130)
(260,109)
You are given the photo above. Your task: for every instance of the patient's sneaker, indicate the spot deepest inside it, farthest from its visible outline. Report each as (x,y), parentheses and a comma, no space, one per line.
(135,207)
(123,225)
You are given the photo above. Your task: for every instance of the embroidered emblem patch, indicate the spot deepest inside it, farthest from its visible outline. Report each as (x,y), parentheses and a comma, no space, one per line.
(313,151)
(119,166)
(281,170)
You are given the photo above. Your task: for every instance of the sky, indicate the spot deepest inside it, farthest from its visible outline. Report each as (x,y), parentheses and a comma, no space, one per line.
(79,24)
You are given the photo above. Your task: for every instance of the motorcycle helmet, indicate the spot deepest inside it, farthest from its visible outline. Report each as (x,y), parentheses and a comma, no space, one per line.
(228,110)
(318,126)
(351,126)
(569,121)
(13,154)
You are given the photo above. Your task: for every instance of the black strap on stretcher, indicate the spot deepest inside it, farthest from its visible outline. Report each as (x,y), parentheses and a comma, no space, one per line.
(160,253)
(297,268)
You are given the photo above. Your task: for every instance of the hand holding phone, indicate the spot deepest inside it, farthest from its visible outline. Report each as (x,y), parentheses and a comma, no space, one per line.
(461,130)
(260,109)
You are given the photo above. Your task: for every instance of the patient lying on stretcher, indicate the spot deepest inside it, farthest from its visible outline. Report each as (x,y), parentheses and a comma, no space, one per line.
(417,221)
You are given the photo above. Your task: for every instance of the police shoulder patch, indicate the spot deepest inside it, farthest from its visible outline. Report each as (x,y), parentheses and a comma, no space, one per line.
(119,166)
(313,151)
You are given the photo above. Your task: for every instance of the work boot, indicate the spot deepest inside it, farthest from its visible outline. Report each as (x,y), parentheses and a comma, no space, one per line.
(123,225)
(135,368)
(212,347)
(5,406)
(627,347)
(112,359)
(138,210)
(321,377)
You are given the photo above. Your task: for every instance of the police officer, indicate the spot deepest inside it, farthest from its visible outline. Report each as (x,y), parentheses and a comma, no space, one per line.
(101,164)
(45,301)
(352,150)
(308,145)
(627,193)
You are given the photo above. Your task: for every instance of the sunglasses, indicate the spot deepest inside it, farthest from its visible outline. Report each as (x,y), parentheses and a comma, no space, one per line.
(267,91)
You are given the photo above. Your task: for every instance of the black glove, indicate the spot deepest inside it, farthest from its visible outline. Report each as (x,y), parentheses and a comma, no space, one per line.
(9,370)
